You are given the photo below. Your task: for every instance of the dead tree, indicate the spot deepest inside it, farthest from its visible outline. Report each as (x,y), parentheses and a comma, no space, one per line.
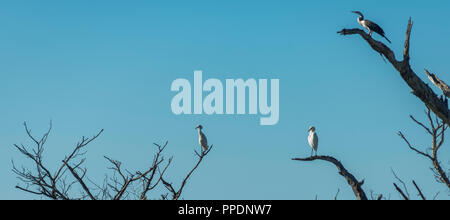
(419,88)
(71,175)
(436,104)
(352,181)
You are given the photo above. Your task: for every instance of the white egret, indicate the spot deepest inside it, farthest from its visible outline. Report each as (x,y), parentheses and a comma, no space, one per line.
(202,138)
(313,140)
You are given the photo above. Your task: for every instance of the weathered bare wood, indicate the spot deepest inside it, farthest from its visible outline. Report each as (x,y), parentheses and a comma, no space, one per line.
(438,83)
(352,181)
(419,88)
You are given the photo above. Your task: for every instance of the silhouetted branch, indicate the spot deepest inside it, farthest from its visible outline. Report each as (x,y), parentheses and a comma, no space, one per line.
(437,132)
(419,88)
(401,192)
(177,193)
(403,183)
(352,181)
(123,184)
(336,196)
(43,181)
(419,190)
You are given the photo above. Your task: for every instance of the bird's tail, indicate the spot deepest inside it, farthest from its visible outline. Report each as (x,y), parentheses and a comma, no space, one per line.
(387,39)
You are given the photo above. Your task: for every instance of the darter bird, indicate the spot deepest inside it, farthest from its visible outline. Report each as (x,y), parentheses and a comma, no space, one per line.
(202,138)
(371,26)
(313,140)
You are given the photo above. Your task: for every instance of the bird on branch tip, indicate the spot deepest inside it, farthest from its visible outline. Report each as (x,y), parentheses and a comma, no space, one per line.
(313,140)
(202,139)
(371,26)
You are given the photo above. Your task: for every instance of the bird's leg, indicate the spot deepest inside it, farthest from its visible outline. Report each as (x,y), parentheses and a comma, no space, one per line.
(312,150)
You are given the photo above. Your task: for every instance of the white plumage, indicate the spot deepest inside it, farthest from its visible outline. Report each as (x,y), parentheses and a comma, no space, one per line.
(202,138)
(313,140)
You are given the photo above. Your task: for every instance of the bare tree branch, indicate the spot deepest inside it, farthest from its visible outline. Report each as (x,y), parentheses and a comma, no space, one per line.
(177,193)
(380,197)
(401,181)
(337,194)
(411,147)
(401,192)
(419,88)
(438,83)
(122,185)
(419,190)
(437,133)
(352,181)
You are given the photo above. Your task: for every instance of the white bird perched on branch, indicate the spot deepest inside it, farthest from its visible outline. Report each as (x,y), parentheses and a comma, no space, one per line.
(313,139)
(202,138)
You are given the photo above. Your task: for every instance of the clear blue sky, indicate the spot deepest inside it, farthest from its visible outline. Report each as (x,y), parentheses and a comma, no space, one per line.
(88,65)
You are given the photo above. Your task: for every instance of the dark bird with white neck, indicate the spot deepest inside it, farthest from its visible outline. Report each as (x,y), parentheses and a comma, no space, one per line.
(371,26)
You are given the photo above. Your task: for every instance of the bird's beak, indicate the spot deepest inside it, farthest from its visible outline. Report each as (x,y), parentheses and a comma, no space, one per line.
(357,12)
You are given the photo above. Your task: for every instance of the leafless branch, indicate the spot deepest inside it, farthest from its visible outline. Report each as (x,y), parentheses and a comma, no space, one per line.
(437,132)
(419,88)
(438,83)
(336,196)
(419,190)
(122,185)
(401,181)
(436,195)
(177,193)
(401,192)
(411,147)
(352,181)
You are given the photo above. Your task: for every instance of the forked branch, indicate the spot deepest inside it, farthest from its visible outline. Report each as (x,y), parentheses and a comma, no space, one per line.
(177,193)
(419,88)
(436,130)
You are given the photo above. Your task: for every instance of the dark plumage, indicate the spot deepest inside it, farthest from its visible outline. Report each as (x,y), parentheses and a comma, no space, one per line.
(370,25)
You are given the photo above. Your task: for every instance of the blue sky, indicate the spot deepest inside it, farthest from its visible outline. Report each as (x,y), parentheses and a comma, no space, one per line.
(88,65)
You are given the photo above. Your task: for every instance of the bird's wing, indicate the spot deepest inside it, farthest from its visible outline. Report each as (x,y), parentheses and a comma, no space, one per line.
(310,140)
(375,27)
(316,141)
(203,140)
(313,141)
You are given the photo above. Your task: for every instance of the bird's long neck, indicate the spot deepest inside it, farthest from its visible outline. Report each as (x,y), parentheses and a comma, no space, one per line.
(360,19)
(199,131)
